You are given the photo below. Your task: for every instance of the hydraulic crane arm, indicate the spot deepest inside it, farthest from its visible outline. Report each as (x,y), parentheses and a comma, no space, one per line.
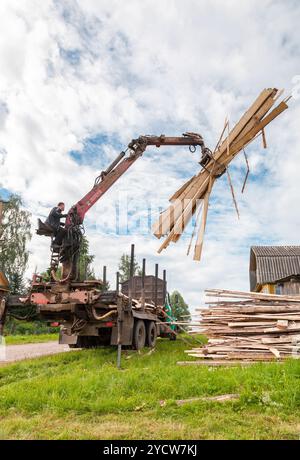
(69,251)
(120,165)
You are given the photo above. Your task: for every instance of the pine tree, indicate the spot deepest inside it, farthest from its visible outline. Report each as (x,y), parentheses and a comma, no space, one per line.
(15,232)
(85,260)
(179,307)
(124,268)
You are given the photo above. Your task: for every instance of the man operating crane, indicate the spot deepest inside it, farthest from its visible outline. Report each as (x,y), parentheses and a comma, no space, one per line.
(53,221)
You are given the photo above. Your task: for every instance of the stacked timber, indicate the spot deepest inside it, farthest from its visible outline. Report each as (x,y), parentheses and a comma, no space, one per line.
(249,326)
(195,193)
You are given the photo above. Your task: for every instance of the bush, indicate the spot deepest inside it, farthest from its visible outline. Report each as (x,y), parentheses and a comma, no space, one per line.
(16,327)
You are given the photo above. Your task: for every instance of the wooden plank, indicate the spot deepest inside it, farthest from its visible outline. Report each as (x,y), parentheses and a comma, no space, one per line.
(236,147)
(275,352)
(226,125)
(250,324)
(255,107)
(264,138)
(185,217)
(250,295)
(256,318)
(194,191)
(223,363)
(280,340)
(246,310)
(200,237)
(289,329)
(177,194)
(173,220)
(234,333)
(256,118)
(282,324)
(218,398)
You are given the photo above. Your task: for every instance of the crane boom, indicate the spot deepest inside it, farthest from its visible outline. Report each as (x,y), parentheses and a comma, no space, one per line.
(68,253)
(120,165)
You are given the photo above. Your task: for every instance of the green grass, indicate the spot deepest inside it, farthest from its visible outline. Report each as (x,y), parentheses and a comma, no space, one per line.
(31,338)
(81,395)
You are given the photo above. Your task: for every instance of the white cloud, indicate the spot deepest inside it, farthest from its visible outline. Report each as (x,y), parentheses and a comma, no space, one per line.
(141,68)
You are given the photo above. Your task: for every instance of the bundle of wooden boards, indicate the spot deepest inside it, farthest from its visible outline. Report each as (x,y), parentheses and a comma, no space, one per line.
(249,326)
(196,192)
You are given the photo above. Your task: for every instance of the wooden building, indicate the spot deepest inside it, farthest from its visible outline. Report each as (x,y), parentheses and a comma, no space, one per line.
(275,269)
(4,285)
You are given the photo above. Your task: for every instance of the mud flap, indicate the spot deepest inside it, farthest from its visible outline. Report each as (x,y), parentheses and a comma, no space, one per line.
(127,330)
(65,339)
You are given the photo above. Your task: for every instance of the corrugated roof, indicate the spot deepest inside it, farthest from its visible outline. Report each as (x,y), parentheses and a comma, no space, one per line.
(276,251)
(269,264)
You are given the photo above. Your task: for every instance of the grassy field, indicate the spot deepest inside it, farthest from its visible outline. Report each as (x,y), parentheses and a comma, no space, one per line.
(82,395)
(30,338)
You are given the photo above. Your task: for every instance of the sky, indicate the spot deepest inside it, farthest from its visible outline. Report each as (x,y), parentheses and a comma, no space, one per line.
(80,79)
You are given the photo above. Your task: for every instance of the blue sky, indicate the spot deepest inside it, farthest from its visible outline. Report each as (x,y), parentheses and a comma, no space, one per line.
(80,79)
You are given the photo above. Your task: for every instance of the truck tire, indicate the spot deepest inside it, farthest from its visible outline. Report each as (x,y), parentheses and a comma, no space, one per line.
(139,335)
(151,334)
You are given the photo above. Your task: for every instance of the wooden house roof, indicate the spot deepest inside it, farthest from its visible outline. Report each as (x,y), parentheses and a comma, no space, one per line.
(269,264)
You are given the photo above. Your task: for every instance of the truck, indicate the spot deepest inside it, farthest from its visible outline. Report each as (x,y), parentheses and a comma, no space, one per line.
(89,314)
(133,315)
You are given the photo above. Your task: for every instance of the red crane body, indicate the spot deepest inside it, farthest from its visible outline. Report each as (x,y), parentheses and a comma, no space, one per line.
(85,203)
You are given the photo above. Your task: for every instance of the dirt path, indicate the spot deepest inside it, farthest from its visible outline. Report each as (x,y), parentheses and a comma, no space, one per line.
(14,353)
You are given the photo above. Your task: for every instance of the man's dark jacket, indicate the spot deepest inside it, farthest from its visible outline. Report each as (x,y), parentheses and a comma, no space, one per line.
(54,218)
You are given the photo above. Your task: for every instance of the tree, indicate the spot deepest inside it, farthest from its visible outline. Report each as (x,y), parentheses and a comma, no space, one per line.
(124,268)
(17,284)
(85,269)
(46,275)
(179,307)
(15,232)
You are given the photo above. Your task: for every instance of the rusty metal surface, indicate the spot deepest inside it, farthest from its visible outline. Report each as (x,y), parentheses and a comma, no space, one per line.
(75,304)
(149,289)
(144,315)
(57,307)
(80,297)
(269,264)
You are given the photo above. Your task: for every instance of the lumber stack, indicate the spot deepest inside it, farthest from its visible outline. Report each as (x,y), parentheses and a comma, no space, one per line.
(249,326)
(196,191)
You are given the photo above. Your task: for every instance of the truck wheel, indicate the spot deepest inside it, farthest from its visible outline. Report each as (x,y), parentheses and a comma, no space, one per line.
(139,335)
(151,334)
